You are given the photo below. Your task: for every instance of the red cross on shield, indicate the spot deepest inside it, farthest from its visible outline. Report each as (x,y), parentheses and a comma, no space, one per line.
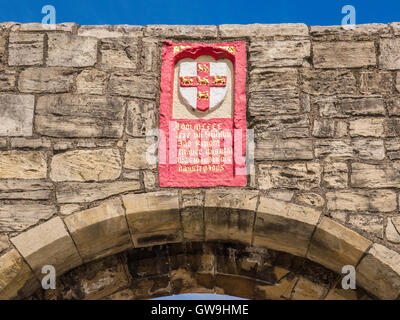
(203,85)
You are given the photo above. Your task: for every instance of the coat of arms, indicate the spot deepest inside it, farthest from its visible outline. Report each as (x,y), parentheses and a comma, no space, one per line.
(202,85)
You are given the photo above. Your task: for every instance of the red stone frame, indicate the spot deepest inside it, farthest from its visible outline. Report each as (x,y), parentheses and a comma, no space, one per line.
(235,174)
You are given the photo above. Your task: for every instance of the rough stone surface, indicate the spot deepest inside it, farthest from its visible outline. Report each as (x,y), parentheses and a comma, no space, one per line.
(7,79)
(137,154)
(356,32)
(327,128)
(88,192)
(25,49)
(23,165)
(149,180)
(370,224)
(292,149)
(308,290)
(108,31)
(393,230)
(41,80)
(181,31)
(293,126)
(371,200)
(328,82)
(373,127)
(279,53)
(310,199)
(389,55)
(65,50)
(21,143)
(19,217)
(48,244)
(125,84)
(262,104)
(86,165)
(335,175)
(347,107)
(379,272)
(140,118)
(4,243)
(101,231)
(343,54)
(16,115)
(91,82)
(258,30)
(375,175)
(79,116)
(119,54)
(303,176)
(376,82)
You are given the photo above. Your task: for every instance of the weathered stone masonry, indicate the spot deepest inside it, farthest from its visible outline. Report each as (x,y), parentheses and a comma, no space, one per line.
(76,104)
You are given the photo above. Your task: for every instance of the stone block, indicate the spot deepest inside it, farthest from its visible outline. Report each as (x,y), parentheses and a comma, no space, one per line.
(79,116)
(23,165)
(284,226)
(389,57)
(124,84)
(89,192)
(335,246)
(86,165)
(138,154)
(25,49)
(48,244)
(14,275)
(379,272)
(279,149)
(341,54)
(302,176)
(100,231)
(19,217)
(16,114)
(66,50)
(288,53)
(41,80)
(153,218)
(229,215)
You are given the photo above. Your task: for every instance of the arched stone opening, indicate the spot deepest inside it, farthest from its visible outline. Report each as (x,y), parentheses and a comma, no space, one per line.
(243,217)
(200,267)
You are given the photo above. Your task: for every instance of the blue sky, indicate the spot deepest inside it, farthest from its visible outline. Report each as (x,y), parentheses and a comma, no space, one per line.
(135,12)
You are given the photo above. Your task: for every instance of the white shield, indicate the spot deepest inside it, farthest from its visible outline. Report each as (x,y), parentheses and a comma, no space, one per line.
(189,94)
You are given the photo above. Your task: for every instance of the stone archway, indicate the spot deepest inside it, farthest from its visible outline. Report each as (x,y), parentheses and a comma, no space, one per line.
(245,217)
(200,267)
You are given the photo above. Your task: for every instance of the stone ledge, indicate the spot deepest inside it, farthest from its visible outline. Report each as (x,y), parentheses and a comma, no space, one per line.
(181,31)
(258,30)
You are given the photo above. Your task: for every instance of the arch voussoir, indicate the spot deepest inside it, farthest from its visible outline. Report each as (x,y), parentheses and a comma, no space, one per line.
(243,217)
(284,226)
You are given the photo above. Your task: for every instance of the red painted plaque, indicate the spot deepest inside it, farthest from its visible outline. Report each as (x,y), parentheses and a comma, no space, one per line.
(202,140)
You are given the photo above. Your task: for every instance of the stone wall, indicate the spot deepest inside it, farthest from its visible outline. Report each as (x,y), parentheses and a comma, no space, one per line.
(76,103)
